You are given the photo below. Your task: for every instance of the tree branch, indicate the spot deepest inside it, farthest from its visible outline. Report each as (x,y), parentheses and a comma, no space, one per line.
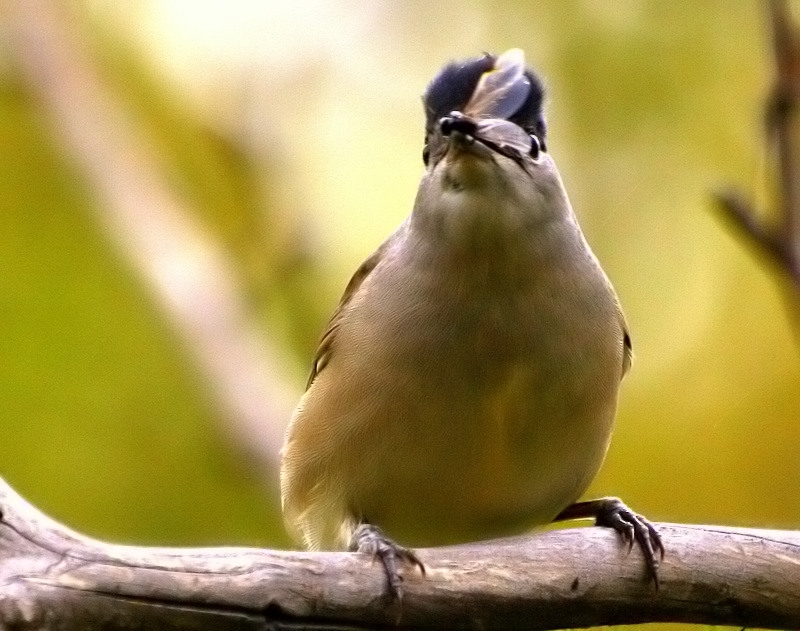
(780,243)
(51,577)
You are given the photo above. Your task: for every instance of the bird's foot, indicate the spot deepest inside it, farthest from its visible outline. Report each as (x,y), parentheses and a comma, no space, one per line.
(611,512)
(371,540)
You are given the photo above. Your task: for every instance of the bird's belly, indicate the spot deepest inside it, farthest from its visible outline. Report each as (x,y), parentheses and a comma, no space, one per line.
(489,460)
(460,419)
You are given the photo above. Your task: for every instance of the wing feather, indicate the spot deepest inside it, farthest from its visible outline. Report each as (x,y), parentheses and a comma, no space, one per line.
(327,342)
(627,350)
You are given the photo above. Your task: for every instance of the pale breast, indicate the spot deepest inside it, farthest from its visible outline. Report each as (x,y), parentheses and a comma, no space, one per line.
(491,414)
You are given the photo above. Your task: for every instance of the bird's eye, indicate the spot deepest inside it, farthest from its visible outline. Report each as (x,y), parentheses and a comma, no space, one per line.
(446,125)
(536,147)
(426,154)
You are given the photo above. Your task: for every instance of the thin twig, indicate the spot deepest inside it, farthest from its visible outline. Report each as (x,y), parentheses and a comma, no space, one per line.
(765,240)
(778,242)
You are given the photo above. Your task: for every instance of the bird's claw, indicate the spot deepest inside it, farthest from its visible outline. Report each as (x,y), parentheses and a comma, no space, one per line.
(371,540)
(632,527)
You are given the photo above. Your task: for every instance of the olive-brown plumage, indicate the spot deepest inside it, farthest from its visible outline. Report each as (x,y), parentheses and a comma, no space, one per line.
(467,382)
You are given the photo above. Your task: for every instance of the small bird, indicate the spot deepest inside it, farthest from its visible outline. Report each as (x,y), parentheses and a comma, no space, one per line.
(466,385)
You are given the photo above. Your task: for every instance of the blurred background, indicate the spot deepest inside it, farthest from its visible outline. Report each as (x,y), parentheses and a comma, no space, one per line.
(186,187)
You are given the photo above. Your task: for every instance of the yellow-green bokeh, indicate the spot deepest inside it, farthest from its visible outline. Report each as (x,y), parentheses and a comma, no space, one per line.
(272,121)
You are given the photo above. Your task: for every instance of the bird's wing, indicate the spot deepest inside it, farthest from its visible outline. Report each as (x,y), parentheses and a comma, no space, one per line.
(627,350)
(326,342)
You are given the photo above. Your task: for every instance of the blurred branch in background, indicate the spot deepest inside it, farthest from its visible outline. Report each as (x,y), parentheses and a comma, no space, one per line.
(779,241)
(182,264)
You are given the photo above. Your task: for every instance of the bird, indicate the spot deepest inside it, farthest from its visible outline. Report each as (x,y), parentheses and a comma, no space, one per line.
(466,384)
